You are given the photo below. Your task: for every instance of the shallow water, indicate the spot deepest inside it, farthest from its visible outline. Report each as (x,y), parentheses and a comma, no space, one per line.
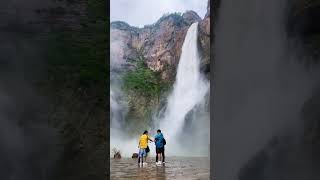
(177,168)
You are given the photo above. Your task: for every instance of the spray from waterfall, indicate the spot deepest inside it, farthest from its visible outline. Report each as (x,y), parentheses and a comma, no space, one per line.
(119,139)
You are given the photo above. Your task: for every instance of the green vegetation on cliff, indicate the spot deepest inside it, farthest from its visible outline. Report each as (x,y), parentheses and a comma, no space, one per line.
(143,88)
(144,81)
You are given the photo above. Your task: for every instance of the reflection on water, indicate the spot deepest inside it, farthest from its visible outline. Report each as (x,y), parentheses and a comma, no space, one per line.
(177,168)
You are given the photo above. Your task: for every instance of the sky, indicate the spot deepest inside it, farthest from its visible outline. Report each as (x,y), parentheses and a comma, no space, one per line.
(143,12)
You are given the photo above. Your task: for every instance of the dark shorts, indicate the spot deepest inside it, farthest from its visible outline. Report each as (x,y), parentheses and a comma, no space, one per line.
(160,150)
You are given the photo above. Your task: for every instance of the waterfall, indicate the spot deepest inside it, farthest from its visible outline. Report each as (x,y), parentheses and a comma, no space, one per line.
(185,102)
(189,88)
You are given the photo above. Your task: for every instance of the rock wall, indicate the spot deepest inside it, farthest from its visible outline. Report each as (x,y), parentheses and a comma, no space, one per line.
(160,44)
(204,39)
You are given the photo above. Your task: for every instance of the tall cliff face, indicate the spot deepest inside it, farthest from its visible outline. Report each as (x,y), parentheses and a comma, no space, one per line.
(159,47)
(158,44)
(204,39)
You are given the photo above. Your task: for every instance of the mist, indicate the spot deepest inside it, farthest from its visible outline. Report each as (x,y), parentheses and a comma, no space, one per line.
(260,88)
(119,139)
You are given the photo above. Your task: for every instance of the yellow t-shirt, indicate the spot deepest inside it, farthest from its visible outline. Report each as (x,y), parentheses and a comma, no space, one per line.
(143,143)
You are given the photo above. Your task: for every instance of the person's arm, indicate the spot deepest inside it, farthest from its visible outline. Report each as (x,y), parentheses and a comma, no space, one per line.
(150,139)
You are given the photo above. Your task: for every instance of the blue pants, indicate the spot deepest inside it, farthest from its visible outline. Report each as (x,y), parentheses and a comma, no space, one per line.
(142,152)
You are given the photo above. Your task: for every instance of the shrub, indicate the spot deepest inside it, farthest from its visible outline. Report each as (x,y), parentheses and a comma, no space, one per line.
(143,81)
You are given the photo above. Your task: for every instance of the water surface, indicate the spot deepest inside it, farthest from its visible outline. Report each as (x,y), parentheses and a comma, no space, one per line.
(178,168)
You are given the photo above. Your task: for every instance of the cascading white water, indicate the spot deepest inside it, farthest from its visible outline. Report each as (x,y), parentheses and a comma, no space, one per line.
(189,89)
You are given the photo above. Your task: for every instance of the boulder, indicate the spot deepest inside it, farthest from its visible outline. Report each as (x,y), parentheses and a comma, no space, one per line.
(135,155)
(117,155)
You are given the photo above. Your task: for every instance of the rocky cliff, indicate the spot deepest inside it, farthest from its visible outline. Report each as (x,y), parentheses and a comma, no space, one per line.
(204,39)
(159,44)
(148,59)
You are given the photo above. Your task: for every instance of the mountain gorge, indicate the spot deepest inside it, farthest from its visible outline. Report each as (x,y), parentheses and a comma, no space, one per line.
(145,61)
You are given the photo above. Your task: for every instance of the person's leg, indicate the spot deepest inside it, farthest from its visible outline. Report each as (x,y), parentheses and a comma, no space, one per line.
(145,155)
(160,155)
(163,157)
(140,157)
(157,155)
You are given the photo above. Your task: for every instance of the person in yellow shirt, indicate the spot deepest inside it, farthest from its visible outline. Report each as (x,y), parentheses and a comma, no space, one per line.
(143,144)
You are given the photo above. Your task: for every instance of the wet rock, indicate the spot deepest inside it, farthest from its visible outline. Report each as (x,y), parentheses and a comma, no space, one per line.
(117,155)
(135,155)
